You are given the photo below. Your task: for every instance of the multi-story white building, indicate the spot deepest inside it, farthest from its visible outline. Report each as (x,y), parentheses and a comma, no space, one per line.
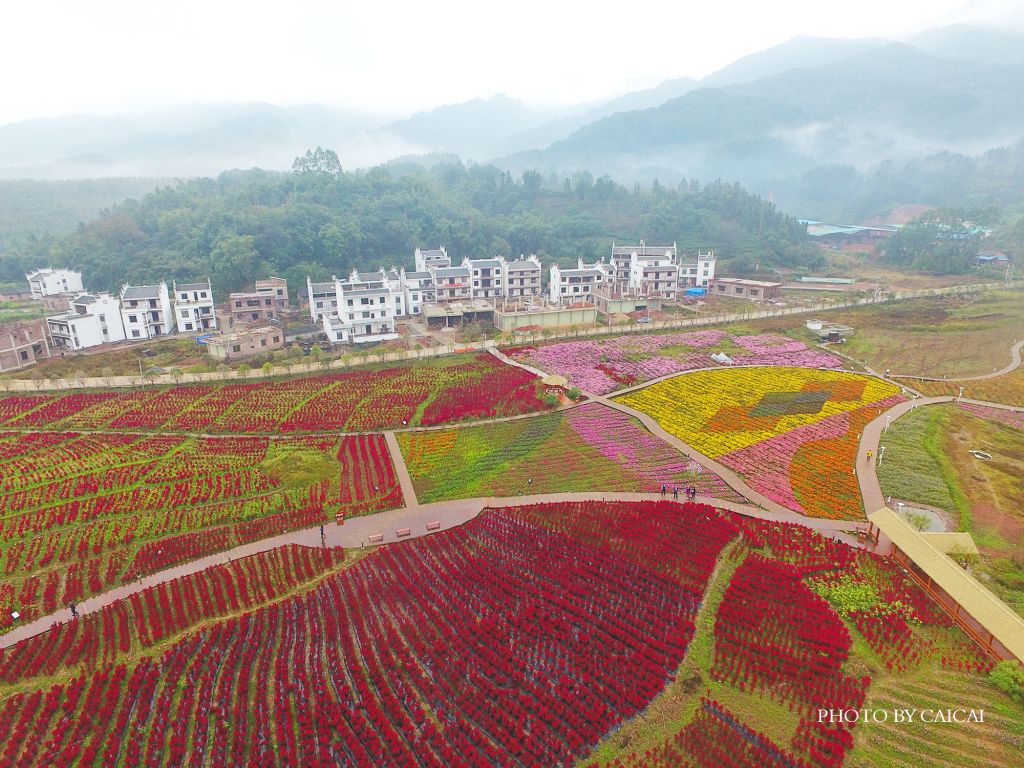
(654,274)
(453,283)
(419,289)
(699,272)
(323,299)
(489,276)
(146,311)
(52,282)
(193,307)
(625,256)
(365,309)
(523,277)
(94,319)
(431,259)
(568,285)
(656,271)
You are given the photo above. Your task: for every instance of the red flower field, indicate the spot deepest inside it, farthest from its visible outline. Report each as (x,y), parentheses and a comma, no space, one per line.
(80,513)
(437,391)
(517,639)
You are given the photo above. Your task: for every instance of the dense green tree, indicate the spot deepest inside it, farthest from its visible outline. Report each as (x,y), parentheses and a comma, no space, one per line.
(319,160)
(247,224)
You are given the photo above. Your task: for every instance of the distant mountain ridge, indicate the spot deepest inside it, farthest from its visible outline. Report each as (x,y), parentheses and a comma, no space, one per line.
(865,106)
(784,122)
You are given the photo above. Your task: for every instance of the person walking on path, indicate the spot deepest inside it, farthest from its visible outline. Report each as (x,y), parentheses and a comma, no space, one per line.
(663,490)
(675,493)
(74,610)
(323,535)
(869,456)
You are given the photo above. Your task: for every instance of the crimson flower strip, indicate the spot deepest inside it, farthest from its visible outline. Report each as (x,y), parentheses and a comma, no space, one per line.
(773,635)
(436,392)
(162,611)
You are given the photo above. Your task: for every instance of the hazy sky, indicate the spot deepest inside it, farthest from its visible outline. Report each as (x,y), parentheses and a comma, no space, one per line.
(109,56)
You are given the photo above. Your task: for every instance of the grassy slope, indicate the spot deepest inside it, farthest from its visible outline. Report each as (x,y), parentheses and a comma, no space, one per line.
(912,468)
(927,461)
(936,337)
(996,743)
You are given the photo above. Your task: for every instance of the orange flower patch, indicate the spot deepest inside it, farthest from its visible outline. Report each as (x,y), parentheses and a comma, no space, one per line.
(738,419)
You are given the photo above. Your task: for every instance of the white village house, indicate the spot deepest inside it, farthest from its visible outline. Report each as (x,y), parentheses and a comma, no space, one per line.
(194,308)
(569,285)
(146,311)
(94,319)
(52,282)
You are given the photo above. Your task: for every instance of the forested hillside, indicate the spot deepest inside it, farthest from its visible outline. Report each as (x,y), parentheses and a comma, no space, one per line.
(247,224)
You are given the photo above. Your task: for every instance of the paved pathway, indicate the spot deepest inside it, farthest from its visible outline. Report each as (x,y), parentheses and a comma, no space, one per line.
(384,528)
(870,490)
(404,479)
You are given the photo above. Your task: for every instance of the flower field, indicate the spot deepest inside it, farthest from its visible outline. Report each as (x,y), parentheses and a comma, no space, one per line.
(588,448)
(80,513)
(609,364)
(781,639)
(433,392)
(1007,389)
(519,638)
(792,433)
(149,617)
(1013,419)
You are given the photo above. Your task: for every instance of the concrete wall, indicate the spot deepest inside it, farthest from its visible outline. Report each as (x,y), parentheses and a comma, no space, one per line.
(547,319)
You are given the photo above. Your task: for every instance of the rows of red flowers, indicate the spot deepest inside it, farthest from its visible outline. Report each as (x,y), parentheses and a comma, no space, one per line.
(517,639)
(715,738)
(773,635)
(439,391)
(149,617)
(81,513)
(368,479)
(904,626)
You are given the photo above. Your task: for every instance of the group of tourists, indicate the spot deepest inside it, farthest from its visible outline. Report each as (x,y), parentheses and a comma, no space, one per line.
(690,491)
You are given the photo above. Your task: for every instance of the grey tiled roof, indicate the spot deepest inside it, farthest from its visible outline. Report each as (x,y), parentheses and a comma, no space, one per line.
(142,292)
(522,266)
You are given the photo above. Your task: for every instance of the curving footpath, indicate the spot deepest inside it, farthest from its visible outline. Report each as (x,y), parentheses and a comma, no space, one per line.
(384,527)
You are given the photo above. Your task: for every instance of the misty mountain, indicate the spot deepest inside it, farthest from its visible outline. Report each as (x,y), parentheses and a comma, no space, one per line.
(800,52)
(965,43)
(866,105)
(475,129)
(187,141)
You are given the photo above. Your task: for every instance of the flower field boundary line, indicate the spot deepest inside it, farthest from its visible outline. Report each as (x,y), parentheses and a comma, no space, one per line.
(731,478)
(355,533)
(401,471)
